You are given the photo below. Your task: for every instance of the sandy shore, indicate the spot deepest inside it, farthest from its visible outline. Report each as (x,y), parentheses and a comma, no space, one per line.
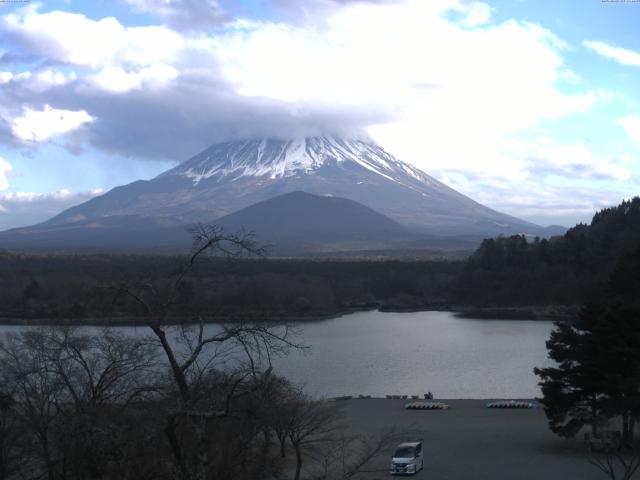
(470,441)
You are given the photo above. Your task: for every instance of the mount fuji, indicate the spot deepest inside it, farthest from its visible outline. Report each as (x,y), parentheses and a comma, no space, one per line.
(231,176)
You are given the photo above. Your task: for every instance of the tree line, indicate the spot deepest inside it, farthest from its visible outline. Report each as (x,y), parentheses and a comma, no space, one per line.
(567,270)
(81,288)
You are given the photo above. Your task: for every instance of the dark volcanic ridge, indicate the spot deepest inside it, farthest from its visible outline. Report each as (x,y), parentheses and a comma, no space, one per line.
(303,216)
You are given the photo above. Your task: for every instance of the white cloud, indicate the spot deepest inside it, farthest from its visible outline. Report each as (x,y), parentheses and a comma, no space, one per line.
(384,63)
(48,78)
(39,126)
(385,50)
(5,77)
(115,79)
(68,37)
(543,203)
(631,125)
(38,81)
(183,14)
(475,13)
(72,38)
(577,161)
(30,197)
(487,84)
(621,55)
(461,97)
(5,168)
(108,55)
(20,209)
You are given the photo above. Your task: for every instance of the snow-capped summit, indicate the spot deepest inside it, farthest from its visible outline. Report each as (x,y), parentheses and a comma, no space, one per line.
(279,159)
(229,176)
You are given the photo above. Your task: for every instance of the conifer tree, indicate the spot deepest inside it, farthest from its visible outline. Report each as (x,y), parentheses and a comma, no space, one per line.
(597,376)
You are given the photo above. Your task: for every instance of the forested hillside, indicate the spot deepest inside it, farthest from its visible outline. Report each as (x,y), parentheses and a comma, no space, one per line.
(567,270)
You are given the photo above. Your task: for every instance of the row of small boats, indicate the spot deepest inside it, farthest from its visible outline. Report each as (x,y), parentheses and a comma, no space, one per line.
(426,406)
(444,406)
(511,404)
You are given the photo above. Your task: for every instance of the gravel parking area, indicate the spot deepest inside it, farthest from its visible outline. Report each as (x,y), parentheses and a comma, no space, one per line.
(470,441)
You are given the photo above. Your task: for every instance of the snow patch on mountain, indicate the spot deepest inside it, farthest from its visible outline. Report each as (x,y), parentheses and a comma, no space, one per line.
(281,159)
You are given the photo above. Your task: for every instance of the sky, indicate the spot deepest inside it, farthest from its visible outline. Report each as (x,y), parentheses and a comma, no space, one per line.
(531,107)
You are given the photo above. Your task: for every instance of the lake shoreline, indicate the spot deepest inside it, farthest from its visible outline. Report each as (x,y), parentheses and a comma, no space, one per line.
(528,312)
(566,313)
(381,353)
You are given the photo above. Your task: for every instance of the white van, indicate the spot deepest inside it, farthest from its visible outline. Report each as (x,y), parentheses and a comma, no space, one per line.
(407,459)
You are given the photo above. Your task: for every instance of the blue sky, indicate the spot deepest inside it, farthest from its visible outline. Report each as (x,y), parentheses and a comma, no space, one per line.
(531,107)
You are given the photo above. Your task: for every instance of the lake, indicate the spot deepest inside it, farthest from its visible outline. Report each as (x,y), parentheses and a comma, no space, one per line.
(380,353)
(385,353)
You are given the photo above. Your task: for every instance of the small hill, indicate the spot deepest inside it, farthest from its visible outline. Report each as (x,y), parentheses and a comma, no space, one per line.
(301,216)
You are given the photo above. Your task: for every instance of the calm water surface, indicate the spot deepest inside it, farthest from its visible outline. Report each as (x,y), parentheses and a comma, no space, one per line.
(380,353)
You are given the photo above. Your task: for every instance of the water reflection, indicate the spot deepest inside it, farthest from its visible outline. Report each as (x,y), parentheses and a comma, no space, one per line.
(379,353)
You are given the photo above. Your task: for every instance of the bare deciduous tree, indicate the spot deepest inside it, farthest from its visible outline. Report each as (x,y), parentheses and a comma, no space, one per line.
(618,462)
(242,350)
(311,422)
(11,438)
(349,456)
(70,390)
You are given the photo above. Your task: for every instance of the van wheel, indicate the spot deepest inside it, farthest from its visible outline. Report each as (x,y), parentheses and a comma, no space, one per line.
(421,464)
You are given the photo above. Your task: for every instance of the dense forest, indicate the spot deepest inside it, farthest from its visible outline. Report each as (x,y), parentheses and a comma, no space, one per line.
(86,287)
(568,270)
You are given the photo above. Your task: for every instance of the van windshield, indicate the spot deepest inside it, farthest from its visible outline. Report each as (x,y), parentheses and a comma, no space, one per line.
(405,452)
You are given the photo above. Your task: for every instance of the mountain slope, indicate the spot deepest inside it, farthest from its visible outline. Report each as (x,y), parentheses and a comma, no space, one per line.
(229,176)
(292,223)
(300,216)
(123,233)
